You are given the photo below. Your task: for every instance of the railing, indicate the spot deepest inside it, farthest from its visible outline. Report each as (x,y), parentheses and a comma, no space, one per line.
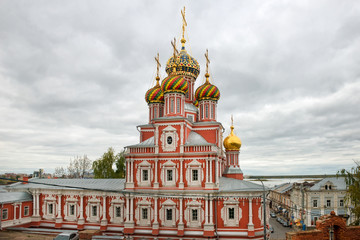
(142,150)
(200,149)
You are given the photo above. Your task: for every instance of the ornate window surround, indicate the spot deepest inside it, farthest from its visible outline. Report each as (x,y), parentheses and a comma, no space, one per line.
(169,165)
(49,199)
(93,201)
(169,131)
(71,201)
(144,165)
(169,205)
(140,205)
(231,203)
(194,165)
(116,202)
(194,205)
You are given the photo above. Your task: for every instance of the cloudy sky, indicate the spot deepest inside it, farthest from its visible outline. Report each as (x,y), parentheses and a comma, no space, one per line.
(73,75)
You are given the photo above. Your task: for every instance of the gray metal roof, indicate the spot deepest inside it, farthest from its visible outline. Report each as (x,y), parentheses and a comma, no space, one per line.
(147,143)
(195,139)
(190,107)
(339,183)
(111,184)
(235,185)
(232,170)
(8,197)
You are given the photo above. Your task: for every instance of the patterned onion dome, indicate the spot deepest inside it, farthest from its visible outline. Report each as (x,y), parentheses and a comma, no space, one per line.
(232,142)
(207,91)
(185,64)
(155,95)
(196,103)
(174,83)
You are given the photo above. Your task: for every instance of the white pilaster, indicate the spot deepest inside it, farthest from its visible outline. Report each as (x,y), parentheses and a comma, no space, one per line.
(210,175)
(131,209)
(104,219)
(181,183)
(206,211)
(128,208)
(250,224)
(156,181)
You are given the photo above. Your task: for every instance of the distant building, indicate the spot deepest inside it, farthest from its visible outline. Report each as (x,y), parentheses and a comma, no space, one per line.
(280,198)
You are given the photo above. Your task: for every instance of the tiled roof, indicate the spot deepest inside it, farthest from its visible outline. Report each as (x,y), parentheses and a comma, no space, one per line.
(8,197)
(235,185)
(339,183)
(116,184)
(195,139)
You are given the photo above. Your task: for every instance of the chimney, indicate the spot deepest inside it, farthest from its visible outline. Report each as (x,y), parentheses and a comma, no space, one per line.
(25,179)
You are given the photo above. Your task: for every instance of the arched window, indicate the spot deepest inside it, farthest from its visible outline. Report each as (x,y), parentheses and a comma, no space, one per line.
(155,112)
(178,105)
(207,111)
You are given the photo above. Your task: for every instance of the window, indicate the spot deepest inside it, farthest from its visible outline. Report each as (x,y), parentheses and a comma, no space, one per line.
(72,210)
(145,175)
(206,111)
(178,105)
(144,213)
(51,208)
(191,118)
(171,105)
(231,213)
(94,211)
(4,214)
(194,214)
(26,211)
(195,175)
(168,214)
(118,212)
(328,203)
(329,187)
(341,202)
(326,187)
(213,111)
(169,175)
(155,112)
(315,203)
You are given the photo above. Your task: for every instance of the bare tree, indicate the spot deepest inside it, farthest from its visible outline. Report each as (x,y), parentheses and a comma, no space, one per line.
(60,172)
(79,166)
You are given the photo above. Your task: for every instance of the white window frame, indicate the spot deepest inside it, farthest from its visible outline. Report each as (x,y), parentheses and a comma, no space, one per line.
(144,211)
(193,175)
(225,213)
(328,202)
(166,206)
(116,215)
(26,211)
(169,175)
(145,175)
(52,208)
(93,206)
(5,214)
(167,211)
(341,202)
(315,203)
(169,165)
(144,166)
(194,210)
(194,165)
(233,213)
(72,206)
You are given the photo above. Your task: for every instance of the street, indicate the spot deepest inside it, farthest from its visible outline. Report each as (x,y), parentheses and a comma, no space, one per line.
(279,230)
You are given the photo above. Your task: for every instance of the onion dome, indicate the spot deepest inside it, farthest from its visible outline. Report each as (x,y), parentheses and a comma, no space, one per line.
(184,63)
(155,95)
(232,142)
(173,83)
(196,103)
(207,91)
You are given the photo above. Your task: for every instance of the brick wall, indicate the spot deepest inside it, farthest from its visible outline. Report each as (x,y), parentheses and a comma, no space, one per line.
(323,226)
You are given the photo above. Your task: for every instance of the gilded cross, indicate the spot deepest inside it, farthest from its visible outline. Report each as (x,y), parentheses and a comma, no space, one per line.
(173,43)
(232,120)
(207,61)
(158,64)
(184,22)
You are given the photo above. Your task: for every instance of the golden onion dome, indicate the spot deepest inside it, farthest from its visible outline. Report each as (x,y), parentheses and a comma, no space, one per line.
(155,95)
(232,142)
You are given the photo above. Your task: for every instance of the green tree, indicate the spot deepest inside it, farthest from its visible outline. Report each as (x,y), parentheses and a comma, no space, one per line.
(103,167)
(352,179)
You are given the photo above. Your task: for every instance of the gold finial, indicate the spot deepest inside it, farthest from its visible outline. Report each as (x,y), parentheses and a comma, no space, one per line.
(184,24)
(173,43)
(158,65)
(207,66)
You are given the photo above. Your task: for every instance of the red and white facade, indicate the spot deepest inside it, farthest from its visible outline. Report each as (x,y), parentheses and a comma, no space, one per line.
(180,183)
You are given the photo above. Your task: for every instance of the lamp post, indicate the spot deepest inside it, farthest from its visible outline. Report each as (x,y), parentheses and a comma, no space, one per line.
(264,206)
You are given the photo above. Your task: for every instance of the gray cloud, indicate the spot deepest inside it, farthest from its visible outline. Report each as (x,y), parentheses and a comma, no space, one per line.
(73,75)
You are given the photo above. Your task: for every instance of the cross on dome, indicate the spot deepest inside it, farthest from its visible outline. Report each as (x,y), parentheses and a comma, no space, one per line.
(183,26)
(158,65)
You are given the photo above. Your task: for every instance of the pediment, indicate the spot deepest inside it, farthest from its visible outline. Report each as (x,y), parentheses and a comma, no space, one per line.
(168,202)
(145,164)
(169,129)
(169,164)
(194,163)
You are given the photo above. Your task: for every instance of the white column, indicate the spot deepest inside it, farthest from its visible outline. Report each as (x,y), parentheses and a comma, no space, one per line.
(34,203)
(127,208)
(14,211)
(181,183)
(81,207)
(38,204)
(155,210)
(59,206)
(131,209)
(207,171)
(181,211)
(206,211)
(210,175)
(250,212)
(104,208)
(156,181)
(132,170)
(217,171)
(211,210)
(128,170)
(20,210)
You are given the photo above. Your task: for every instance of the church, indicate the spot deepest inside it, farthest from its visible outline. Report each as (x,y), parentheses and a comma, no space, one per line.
(183,178)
